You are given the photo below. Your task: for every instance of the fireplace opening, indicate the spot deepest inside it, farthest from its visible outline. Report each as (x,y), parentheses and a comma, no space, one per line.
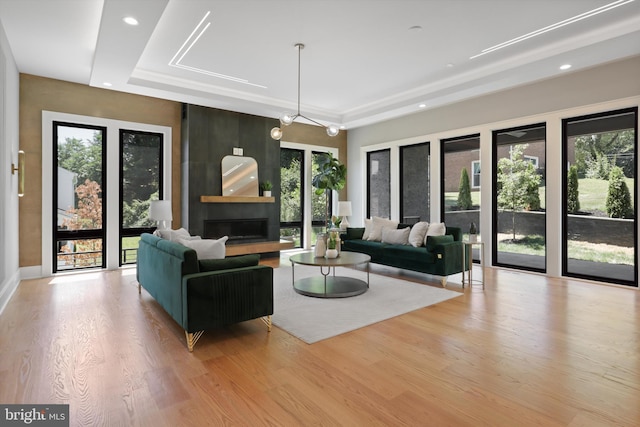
(246,230)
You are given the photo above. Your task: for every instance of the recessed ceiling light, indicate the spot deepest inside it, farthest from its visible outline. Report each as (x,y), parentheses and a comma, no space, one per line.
(107,84)
(415,29)
(450,65)
(130,20)
(422,105)
(565,66)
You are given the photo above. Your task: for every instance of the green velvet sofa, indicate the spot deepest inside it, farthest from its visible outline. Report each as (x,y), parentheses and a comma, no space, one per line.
(441,256)
(204,294)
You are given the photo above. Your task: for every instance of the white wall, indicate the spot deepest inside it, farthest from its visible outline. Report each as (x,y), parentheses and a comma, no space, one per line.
(607,87)
(9,125)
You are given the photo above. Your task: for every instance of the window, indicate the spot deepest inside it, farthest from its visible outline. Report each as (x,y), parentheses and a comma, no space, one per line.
(140,182)
(79,196)
(475,174)
(519,231)
(460,186)
(291,195)
(379,184)
(599,189)
(414,183)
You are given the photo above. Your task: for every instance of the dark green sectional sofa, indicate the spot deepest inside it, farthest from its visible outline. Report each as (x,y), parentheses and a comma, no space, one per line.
(204,294)
(441,256)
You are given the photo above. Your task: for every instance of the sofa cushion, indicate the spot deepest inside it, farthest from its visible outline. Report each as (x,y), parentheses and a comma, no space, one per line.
(417,234)
(374,249)
(433,241)
(239,261)
(396,237)
(404,256)
(207,248)
(378,225)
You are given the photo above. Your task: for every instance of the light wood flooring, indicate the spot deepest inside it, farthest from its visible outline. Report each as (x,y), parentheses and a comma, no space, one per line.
(526,351)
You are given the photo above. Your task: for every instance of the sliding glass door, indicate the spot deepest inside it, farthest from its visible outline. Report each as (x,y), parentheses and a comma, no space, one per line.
(599,189)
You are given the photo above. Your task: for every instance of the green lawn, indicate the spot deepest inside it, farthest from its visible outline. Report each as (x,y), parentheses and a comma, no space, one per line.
(591,192)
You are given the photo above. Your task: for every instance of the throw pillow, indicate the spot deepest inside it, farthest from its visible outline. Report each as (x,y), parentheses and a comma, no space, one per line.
(355,233)
(368,225)
(378,225)
(433,241)
(207,248)
(435,229)
(172,235)
(418,233)
(239,261)
(396,237)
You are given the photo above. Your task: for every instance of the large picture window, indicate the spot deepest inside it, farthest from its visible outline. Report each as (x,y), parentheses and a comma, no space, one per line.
(460,185)
(291,195)
(140,183)
(599,189)
(79,196)
(414,183)
(379,184)
(519,231)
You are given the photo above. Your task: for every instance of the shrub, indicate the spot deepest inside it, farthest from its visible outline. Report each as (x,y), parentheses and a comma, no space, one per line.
(618,197)
(464,191)
(573,201)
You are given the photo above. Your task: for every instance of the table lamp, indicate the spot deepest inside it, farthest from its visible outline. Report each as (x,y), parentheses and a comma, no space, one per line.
(344,210)
(160,211)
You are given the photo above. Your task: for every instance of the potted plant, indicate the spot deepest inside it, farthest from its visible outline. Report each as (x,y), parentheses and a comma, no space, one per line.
(332,246)
(332,175)
(266,188)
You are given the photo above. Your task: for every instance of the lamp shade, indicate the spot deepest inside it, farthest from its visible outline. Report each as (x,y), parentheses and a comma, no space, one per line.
(160,210)
(344,208)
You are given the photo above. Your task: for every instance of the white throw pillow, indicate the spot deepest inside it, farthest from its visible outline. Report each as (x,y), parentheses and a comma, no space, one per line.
(378,225)
(368,225)
(418,233)
(173,235)
(435,229)
(207,248)
(396,237)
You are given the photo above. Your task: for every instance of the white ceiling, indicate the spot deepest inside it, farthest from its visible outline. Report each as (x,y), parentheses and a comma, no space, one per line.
(362,62)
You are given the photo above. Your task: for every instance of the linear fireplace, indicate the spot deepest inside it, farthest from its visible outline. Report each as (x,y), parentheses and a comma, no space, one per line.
(245,230)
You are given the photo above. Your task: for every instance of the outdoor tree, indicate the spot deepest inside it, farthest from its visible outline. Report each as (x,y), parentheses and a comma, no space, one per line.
(573,201)
(518,184)
(87,216)
(464,191)
(618,202)
(590,148)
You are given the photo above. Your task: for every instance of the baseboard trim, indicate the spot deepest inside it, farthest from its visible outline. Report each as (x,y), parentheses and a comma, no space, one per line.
(8,288)
(32,272)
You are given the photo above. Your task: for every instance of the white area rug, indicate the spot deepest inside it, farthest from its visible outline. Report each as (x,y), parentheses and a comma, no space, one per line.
(315,319)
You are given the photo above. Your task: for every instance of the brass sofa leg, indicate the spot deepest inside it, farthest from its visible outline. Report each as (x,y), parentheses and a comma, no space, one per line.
(443,281)
(267,321)
(192,339)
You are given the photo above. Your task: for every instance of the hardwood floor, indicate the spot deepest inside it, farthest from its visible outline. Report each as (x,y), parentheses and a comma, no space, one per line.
(528,350)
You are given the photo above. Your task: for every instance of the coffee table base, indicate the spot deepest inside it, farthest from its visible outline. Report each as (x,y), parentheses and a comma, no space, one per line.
(330,287)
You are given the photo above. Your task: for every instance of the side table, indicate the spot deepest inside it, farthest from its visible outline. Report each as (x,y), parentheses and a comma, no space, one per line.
(467,262)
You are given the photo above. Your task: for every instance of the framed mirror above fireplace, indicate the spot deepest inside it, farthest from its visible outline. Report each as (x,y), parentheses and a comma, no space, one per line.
(239,176)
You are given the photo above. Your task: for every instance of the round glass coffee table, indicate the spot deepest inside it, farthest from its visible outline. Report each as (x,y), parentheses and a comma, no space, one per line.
(329,285)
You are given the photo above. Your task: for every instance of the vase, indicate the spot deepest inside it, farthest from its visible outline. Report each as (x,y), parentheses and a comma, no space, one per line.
(266,193)
(331,253)
(321,246)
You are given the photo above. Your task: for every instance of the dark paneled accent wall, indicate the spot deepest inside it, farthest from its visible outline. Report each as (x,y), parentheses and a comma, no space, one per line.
(208,135)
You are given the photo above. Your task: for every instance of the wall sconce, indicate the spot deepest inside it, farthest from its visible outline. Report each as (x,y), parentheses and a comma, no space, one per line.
(20,170)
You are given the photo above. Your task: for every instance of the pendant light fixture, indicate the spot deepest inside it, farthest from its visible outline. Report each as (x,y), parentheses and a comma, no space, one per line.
(287,118)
